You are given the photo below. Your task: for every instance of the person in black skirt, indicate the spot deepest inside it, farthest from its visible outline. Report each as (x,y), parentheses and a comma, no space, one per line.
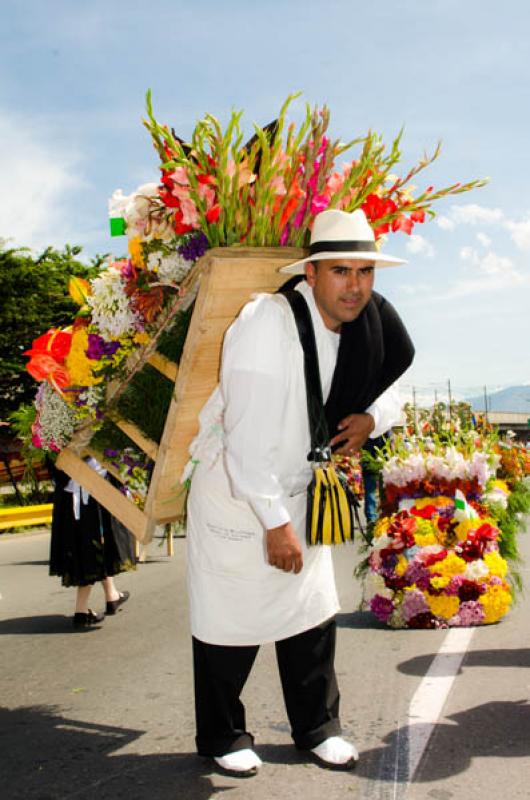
(87,545)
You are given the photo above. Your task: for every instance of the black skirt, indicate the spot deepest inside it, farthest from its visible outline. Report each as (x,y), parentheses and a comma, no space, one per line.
(86,550)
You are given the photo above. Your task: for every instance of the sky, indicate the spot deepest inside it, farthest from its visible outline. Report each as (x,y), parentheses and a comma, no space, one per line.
(73,77)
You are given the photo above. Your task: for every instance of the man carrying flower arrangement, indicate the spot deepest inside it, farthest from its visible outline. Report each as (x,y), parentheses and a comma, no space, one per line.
(252,578)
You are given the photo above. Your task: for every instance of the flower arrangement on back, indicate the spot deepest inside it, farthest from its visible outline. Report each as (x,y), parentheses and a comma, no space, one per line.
(213,191)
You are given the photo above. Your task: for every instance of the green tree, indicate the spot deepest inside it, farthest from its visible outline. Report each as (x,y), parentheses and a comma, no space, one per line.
(34,292)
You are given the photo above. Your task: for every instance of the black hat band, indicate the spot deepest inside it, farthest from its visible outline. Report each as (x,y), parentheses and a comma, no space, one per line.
(342,247)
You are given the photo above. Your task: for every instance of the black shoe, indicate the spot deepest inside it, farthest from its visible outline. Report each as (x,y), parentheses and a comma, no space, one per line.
(113,605)
(82,620)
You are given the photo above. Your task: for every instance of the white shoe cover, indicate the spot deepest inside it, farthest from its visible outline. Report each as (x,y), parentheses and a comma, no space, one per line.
(239,761)
(336,750)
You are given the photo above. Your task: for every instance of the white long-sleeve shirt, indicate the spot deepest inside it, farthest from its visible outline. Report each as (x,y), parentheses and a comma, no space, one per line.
(254,476)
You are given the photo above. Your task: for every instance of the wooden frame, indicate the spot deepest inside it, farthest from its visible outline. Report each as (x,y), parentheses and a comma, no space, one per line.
(230,276)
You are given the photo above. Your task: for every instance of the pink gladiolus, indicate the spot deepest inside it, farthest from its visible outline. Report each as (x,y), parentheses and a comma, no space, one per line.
(190,215)
(319,203)
(299,218)
(284,236)
(323,146)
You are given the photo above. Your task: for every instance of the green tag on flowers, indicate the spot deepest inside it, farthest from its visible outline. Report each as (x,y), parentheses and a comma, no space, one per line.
(117,226)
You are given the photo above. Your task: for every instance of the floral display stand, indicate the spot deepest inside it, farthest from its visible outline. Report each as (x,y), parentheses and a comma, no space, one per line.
(228,278)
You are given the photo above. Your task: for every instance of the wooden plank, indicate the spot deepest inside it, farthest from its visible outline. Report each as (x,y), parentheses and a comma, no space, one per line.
(134,433)
(111,498)
(228,283)
(164,365)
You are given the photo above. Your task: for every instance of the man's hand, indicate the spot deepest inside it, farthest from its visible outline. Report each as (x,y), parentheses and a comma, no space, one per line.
(354,431)
(283,548)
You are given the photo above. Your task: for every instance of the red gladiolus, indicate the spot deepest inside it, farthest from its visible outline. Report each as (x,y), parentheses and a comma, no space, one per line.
(214,213)
(402,223)
(381,230)
(179,226)
(418,216)
(169,199)
(205,179)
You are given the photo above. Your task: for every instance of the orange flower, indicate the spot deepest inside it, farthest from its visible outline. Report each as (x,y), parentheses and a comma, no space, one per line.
(48,354)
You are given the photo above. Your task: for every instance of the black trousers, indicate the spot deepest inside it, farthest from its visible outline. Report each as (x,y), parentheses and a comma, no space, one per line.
(310,691)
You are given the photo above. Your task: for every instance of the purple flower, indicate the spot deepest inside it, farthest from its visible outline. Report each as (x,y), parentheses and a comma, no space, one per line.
(111,453)
(194,247)
(98,347)
(418,574)
(382,607)
(414,604)
(469,613)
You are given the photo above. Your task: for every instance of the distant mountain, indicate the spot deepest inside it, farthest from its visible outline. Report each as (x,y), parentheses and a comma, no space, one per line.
(514,398)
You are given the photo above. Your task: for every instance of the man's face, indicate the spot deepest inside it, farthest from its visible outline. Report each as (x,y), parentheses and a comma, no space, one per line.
(341,288)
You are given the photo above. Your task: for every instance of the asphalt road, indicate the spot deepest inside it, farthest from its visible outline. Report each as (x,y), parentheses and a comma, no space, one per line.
(108,714)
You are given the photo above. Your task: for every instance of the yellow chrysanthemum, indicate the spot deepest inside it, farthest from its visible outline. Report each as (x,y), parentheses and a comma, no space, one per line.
(141,338)
(440,583)
(443,605)
(439,502)
(496,564)
(401,565)
(451,565)
(424,533)
(463,528)
(80,368)
(501,486)
(381,527)
(496,601)
(136,253)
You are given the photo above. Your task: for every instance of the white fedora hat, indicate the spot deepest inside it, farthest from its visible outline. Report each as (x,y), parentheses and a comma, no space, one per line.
(341,234)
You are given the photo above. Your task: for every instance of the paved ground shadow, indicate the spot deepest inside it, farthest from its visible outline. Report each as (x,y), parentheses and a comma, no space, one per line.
(48,623)
(55,758)
(517,657)
(499,729)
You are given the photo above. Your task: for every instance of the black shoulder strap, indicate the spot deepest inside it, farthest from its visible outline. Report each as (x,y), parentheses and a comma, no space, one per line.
(315,404)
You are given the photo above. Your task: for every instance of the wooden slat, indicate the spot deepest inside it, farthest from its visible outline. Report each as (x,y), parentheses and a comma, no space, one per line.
(164,365)
(134,433)
(123,509)
(89,451)
(232,278)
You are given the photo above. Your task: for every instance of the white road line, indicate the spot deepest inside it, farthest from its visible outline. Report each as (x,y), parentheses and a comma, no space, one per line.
(429,698)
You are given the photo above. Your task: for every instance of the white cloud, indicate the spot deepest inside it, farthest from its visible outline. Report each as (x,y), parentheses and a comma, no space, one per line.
(520,233)
(469,253)
(420,246)
(38,183)
(445,223)
(473,214)
(483,239)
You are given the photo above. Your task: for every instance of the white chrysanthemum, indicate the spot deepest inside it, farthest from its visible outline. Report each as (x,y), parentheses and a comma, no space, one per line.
(111,312)
(480,467)
(375,584)
(382,542)
(476,570)
(169,268)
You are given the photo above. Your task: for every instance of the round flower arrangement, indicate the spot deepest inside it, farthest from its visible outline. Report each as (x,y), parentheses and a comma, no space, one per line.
(439,552)
(429,568)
